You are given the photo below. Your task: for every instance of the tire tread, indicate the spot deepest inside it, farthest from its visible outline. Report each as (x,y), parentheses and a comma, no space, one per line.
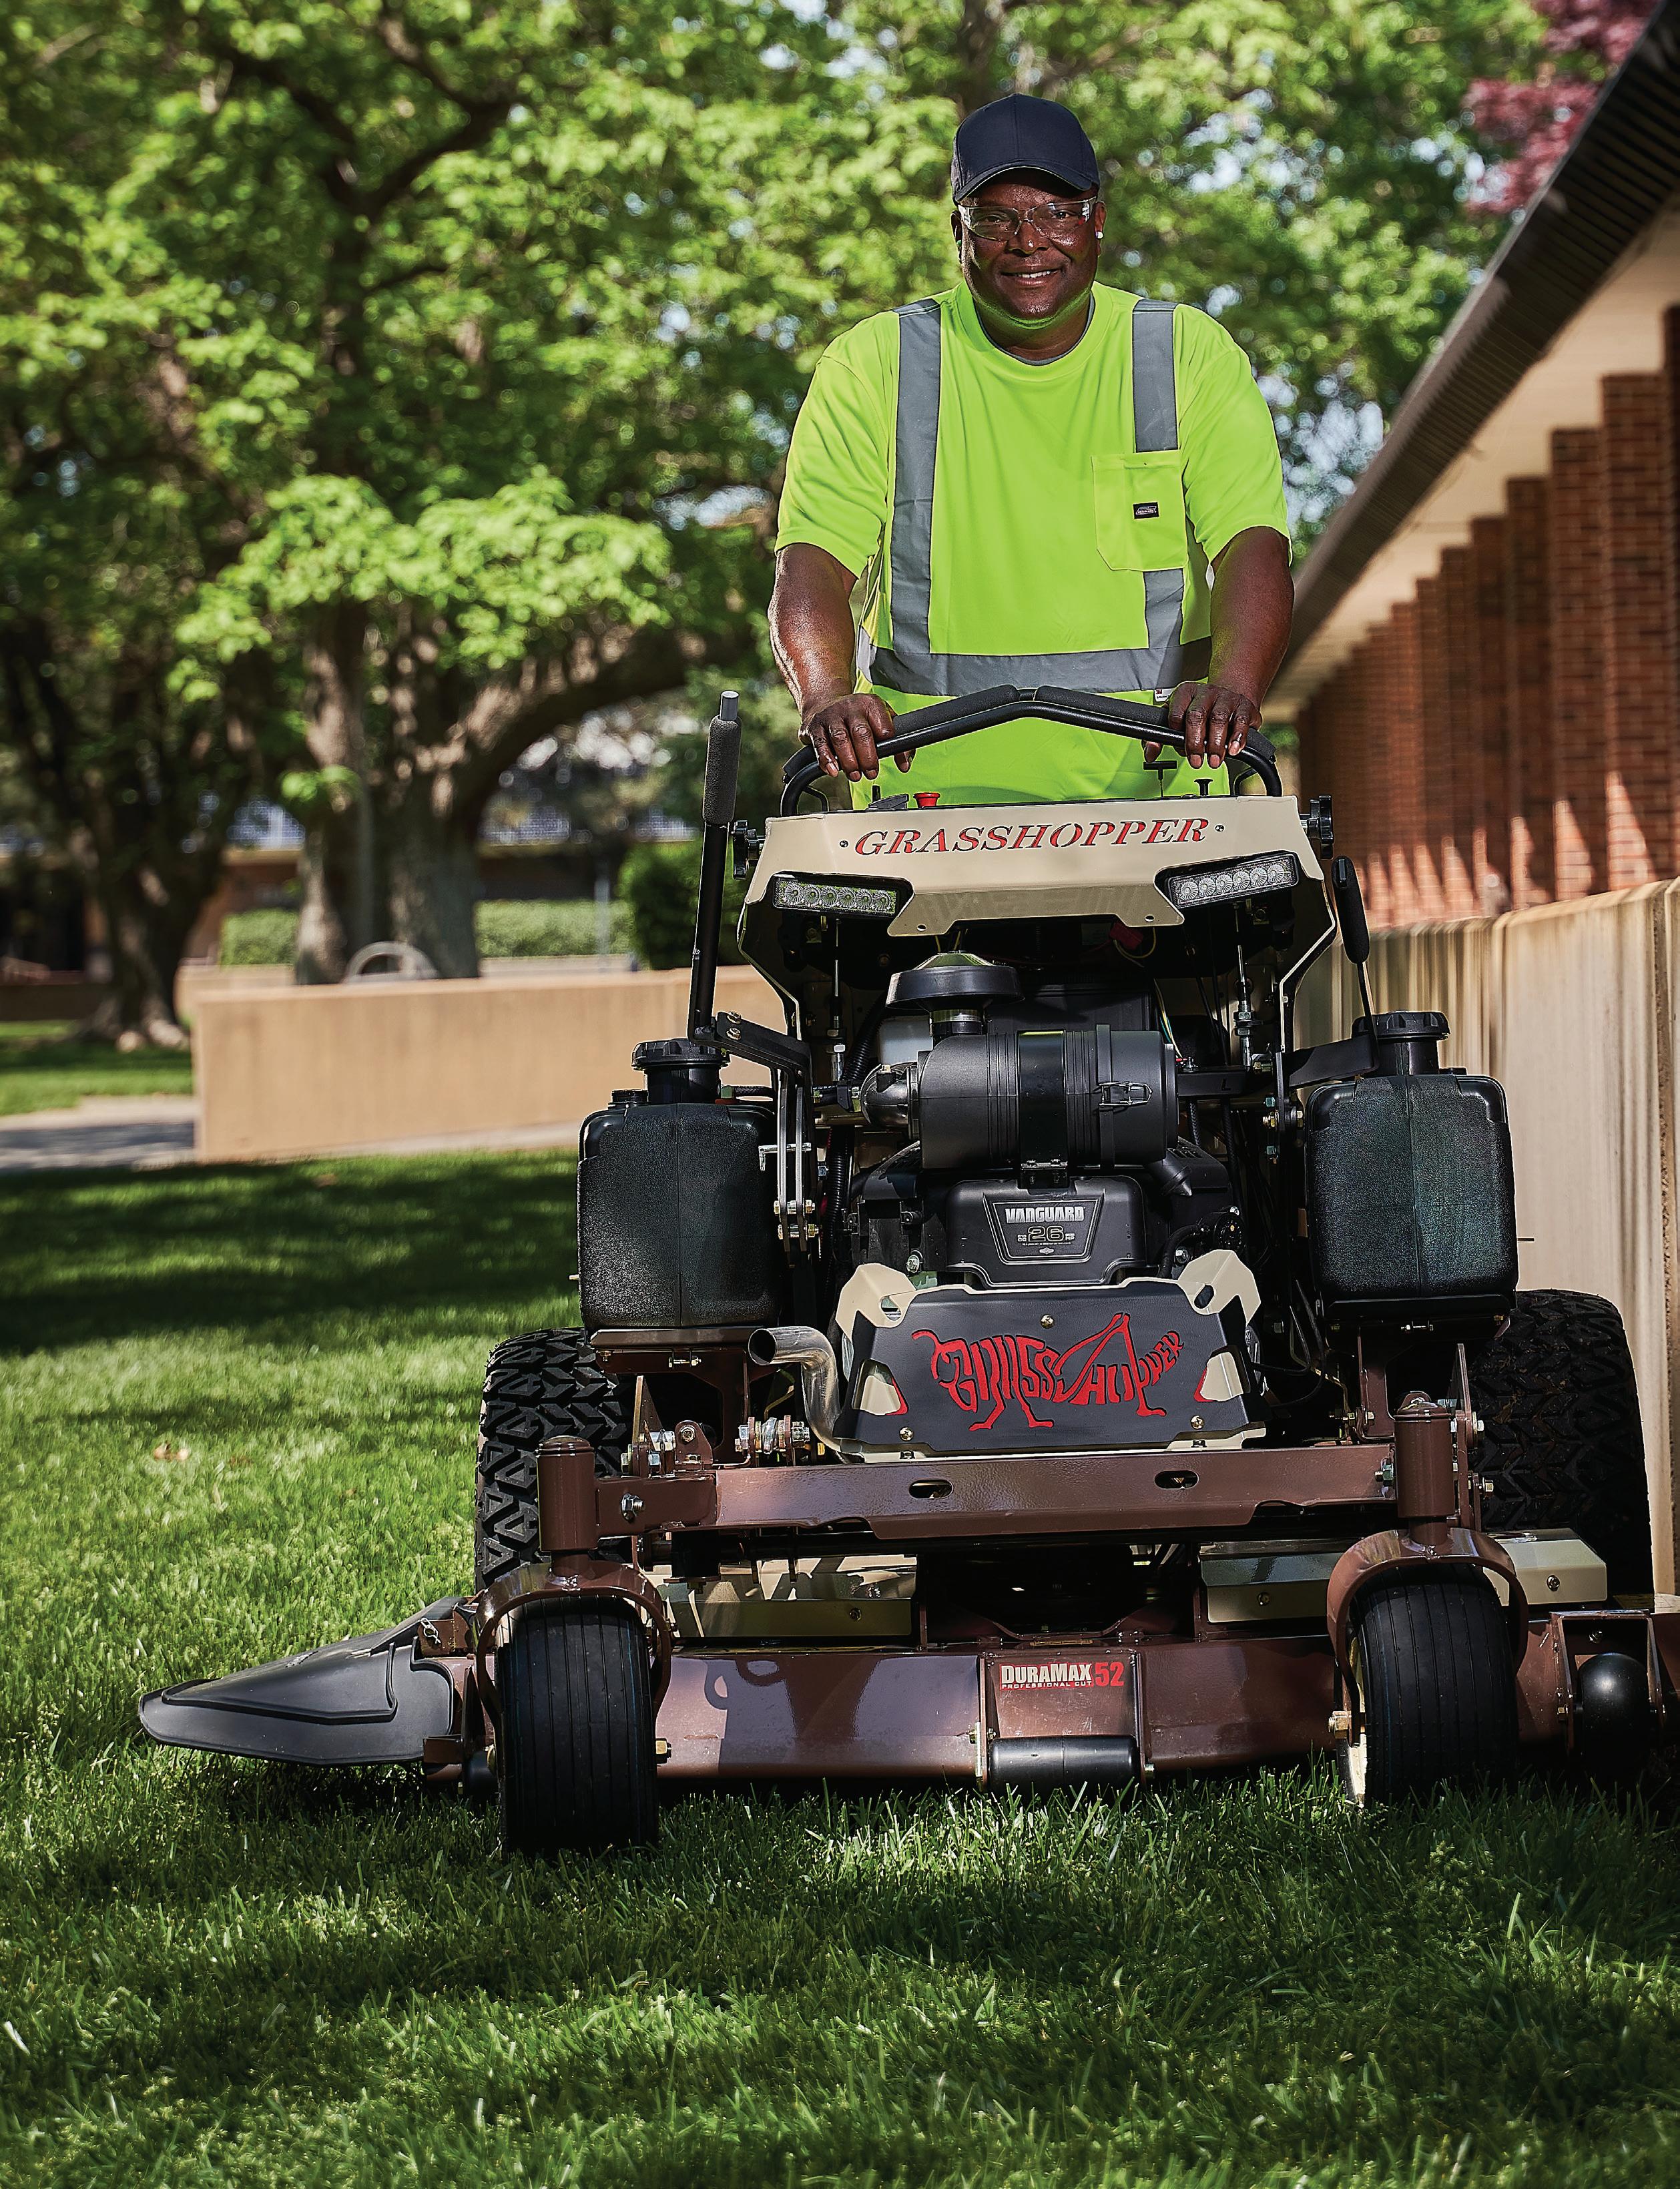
(545,1383)
(1438,1690)
(1563,1447)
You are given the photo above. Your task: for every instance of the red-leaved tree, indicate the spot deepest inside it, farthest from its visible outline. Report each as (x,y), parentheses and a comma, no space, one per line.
(1587,40)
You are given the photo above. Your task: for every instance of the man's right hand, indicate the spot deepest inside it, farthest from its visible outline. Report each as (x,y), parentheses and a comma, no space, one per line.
(843,733)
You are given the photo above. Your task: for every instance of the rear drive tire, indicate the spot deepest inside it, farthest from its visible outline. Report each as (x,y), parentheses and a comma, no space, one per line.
(574,1757)
(1432,1659)
(1563,1447)
(546,1384)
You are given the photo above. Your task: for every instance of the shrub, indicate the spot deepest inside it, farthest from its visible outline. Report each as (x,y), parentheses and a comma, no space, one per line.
(505,928)
(259,938)
(512,927)
(658,884)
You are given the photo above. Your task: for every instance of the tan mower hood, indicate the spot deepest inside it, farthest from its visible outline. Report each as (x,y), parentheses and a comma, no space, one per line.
(1100,859)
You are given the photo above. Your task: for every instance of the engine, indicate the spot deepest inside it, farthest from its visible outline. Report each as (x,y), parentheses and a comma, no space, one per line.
(1041,1136)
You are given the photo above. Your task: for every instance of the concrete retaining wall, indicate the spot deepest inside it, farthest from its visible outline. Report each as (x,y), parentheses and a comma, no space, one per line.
(1574,1007)
(60,996)
(283,1071)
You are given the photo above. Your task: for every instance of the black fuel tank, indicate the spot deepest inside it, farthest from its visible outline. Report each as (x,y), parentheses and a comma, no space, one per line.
(1410,1198)
(675,1229)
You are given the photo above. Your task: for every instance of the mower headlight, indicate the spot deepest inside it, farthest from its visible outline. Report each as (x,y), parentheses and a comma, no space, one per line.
(1228,885)
(788,895)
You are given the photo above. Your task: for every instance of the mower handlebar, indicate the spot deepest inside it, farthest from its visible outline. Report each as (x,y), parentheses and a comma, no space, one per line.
(1003,702)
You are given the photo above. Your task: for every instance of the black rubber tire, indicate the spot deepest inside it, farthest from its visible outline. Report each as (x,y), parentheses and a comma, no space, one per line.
(1563,1447)
(1438,1694)
(546,1385)
(575,1754)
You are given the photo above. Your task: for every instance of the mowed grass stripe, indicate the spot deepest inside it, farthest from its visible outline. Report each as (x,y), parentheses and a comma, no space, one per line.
(44,1067)
(238,1410)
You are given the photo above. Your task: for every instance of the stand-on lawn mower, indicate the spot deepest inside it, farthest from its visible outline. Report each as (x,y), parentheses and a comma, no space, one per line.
(1053,1377)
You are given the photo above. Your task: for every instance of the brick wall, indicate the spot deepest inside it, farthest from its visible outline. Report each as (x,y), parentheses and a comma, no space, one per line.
(1506,737)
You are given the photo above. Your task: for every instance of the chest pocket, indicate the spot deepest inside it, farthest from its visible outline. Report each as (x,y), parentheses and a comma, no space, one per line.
(1140,512)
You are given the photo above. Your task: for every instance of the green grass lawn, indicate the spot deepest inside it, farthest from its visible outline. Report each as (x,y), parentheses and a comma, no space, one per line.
(238,1410)
(40,1070)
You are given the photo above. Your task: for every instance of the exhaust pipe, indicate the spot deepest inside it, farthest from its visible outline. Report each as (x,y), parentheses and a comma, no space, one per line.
(799,1345)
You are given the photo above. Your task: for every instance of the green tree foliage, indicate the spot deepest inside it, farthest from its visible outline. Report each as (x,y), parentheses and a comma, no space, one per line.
(422,372)
(109,517)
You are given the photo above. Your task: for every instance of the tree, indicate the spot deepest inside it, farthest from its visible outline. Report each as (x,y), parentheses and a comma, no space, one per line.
(464,634)
(1534,119)
(513,257)
(109,517)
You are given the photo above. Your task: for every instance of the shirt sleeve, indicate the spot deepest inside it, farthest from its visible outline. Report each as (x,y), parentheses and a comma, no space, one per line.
(1233,472)
(838,486)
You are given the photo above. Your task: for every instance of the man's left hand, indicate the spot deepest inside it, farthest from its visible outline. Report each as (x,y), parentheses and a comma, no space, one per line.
(1216,720)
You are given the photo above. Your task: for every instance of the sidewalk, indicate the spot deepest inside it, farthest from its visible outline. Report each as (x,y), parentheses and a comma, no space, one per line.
(124,1131)
(155,1132)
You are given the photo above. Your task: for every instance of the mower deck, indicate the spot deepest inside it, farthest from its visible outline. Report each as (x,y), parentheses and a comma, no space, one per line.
(1165,1689)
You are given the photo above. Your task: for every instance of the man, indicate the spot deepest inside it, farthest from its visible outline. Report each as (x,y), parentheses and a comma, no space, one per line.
(1034,475)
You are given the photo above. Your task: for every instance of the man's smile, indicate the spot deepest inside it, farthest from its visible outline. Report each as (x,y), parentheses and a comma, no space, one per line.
(1031,285)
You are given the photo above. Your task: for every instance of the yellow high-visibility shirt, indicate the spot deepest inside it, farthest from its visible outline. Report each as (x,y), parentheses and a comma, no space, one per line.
(1058,527)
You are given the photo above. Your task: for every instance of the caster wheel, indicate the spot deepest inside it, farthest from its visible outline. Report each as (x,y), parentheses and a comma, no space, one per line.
(1432,1659)
(574,1759)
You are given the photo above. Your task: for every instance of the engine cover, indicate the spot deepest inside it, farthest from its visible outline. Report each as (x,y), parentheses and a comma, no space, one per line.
(1092,1228)
(1095,1368)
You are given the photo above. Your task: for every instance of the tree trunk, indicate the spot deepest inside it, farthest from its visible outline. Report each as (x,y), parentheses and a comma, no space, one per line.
(339,913)
(146,941)
(323,870)
(432,881)
(429,781)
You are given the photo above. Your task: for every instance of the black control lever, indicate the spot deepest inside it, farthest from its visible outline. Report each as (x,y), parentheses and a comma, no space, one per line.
(1351,919)
(717,813)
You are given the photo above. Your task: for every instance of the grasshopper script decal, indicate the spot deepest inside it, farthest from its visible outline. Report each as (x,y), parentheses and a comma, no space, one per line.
(980,1376)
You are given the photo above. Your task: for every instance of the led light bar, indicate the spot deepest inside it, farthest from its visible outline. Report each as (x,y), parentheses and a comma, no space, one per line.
(788,895)
(1255,877)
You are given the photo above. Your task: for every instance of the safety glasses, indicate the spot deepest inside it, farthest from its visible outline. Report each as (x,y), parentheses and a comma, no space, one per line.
(1060,220)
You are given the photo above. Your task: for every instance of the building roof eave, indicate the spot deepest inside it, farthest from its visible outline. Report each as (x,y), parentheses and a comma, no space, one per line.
(1621,170)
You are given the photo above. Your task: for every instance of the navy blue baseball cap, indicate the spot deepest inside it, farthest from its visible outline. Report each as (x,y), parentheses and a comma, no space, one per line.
(1019,132)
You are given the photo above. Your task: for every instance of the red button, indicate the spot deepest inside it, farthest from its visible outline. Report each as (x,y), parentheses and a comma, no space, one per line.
(927,798)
